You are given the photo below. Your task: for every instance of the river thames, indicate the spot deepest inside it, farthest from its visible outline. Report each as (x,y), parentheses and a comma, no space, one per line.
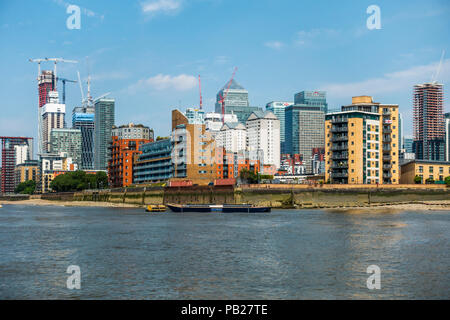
(292,254)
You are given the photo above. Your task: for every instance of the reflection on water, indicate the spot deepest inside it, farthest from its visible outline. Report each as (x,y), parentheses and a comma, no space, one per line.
(311,254)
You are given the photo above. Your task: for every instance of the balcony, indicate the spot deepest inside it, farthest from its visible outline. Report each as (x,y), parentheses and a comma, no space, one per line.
(339,138)
(387,166)
(339,148)
(339,166)
(387,175)
(339,129)
(339,120)
(387,130)
(339,156)
(339,175)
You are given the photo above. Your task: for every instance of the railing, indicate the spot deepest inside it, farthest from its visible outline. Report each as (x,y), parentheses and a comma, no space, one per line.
(341,138)
(339,129)
(339,148)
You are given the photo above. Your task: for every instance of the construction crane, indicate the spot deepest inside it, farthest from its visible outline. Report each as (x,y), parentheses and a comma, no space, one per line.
(200,89)
(222,98)
(63,80)
(55,61)
(436,75)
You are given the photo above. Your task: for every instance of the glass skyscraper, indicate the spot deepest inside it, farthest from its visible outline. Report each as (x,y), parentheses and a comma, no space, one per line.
(278,108)
(305,125)
(83,119)
(104,121)
(236,101)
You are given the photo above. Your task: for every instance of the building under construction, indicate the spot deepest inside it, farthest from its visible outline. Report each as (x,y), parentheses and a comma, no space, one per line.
(9,149)
(429,141)
(46,83)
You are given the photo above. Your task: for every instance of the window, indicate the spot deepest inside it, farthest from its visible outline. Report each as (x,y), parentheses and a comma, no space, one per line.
(420,169)
(430,169)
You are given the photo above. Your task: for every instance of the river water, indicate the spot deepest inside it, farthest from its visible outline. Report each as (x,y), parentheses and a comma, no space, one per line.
(309,254)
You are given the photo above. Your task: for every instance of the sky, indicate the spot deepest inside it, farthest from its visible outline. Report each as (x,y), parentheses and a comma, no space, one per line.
(149,53)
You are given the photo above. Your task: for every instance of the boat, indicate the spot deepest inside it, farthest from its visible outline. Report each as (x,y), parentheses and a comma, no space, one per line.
(217,208)
(156,208)
(1,206)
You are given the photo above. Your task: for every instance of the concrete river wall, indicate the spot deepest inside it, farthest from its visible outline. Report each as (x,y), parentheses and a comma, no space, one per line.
(277,196)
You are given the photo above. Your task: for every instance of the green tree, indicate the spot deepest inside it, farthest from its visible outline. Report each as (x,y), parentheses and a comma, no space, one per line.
(417,179)
(429,181)
(79,180)
(447,181)
(27,187)
(248,176)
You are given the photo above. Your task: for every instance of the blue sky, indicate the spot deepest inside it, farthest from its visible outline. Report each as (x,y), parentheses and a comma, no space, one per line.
(149,53)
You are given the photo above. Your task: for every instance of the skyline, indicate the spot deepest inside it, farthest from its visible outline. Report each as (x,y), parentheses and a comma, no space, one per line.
(139,53)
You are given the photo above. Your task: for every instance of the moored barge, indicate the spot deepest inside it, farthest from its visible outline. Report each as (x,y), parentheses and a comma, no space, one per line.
(217,208)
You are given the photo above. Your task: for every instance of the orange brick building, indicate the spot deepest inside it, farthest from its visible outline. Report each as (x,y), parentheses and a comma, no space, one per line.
(230,164)
(120,164)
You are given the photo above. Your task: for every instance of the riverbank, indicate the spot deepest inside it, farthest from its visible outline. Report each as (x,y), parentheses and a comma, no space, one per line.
(441,205)
(41,202)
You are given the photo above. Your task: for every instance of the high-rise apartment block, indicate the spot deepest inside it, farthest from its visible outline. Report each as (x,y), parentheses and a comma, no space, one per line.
(9,151)
(67,141)
(447,135)
(428,104)
(52,116)
(46,83)
(232,137)
(361,143)
(83,118)
(104,122)
(263,133)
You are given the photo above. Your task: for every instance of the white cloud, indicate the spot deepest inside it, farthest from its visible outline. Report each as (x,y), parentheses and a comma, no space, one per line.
(165,6)
(277,45)
(390,82)
(221,60)
(182,82)
(305,37)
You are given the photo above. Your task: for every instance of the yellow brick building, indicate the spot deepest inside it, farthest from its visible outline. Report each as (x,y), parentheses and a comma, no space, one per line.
(426,170)
(29,170)
(193,152)
(361,143)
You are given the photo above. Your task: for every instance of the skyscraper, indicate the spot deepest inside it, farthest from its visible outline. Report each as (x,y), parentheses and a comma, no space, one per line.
(236,101)
(447,136)
(46,83)
(429,121)
(263,133)
(304,125)
(83,118)
(104,121)
(8,158)
(278,108)
(67,141)
(52,116)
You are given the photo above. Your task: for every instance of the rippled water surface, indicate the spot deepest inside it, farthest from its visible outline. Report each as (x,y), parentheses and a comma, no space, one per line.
(130,254)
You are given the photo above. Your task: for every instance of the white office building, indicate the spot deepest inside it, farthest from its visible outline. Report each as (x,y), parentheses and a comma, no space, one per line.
(232,137)
(52,117)
(263,133)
